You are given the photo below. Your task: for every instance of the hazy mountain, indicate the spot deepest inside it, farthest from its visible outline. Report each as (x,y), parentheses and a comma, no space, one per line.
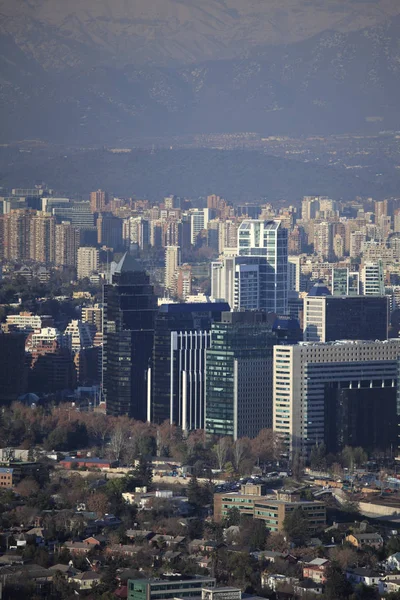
(110,71)
(65,33)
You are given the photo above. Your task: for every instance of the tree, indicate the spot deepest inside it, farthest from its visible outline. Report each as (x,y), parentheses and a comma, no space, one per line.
(266,446)
(337,587)
(220,451)
(98,503)
(118,443)
(232,517)
(240,451)
(253,533)
(344,556)
(27,487)
(318,457)
(296,526)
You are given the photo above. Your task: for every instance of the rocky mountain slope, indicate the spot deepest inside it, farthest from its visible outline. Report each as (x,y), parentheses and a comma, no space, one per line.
(67,33)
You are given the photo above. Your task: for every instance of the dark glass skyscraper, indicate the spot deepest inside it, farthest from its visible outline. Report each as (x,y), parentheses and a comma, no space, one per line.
(182,336)
(129,312)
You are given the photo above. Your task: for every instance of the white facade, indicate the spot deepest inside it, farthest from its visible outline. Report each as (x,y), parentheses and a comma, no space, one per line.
(257,277)
(88,261)
(300,375)
(373,279)
(172,261)
(198,221)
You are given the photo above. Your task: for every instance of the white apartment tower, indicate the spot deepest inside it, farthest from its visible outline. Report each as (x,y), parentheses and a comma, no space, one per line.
(172,262)
(88,261)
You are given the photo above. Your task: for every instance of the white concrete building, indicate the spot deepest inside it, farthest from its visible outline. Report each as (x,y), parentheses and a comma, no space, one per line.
(88,261)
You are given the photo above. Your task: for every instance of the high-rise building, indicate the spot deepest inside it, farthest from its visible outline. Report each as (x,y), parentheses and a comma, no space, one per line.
(93,315)
(304,372)
(309,207)
(76,213)
(198,220)
(172,262)
(182,336)
(184,281)
(129,312)
(12,367)
(257,277)
(330,318)
(239,375)
(372,278)
(88,261)
(109,231)
(67,241)
(43,238)
(357,242)
(98,201)
(323,240)
(345,282)
(18,234)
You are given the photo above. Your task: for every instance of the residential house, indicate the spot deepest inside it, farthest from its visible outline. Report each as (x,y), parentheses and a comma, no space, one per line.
(316,570)
(274,580)
(362,575)
(77,547)
(393,562)
(308,586)
(87,580)
(361,540)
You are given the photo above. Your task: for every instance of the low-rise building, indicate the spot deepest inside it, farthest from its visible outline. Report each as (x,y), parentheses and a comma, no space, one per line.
(168,586)
(361,540)
(316,570)
(365,576)
(270,510)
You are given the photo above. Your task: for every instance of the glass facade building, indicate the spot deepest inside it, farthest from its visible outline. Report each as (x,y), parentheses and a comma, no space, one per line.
(129,312)
(239,375)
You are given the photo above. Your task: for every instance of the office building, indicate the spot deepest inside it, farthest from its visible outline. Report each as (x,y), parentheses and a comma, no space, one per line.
(252,503)
(182,336)
(76,213)
(198,222)
(169,586)
(256,278)
(98,201)
(345,282)
(128,327)
(88,261)
(294,274)
(172,262)
(303,373)
(239,375)
(330,318)
(109,231)
(363,417)
(372,278)
(12,367)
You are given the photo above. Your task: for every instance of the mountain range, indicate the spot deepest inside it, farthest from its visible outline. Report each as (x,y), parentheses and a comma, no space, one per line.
(92,72)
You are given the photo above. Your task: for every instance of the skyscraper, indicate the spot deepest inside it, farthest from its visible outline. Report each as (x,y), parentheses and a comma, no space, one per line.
(239,375)
(67,244)
(330,318)
(172,261)
(372,278)
(303,373)
(182,336)
(257,277)
(129,311)
(98,201)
